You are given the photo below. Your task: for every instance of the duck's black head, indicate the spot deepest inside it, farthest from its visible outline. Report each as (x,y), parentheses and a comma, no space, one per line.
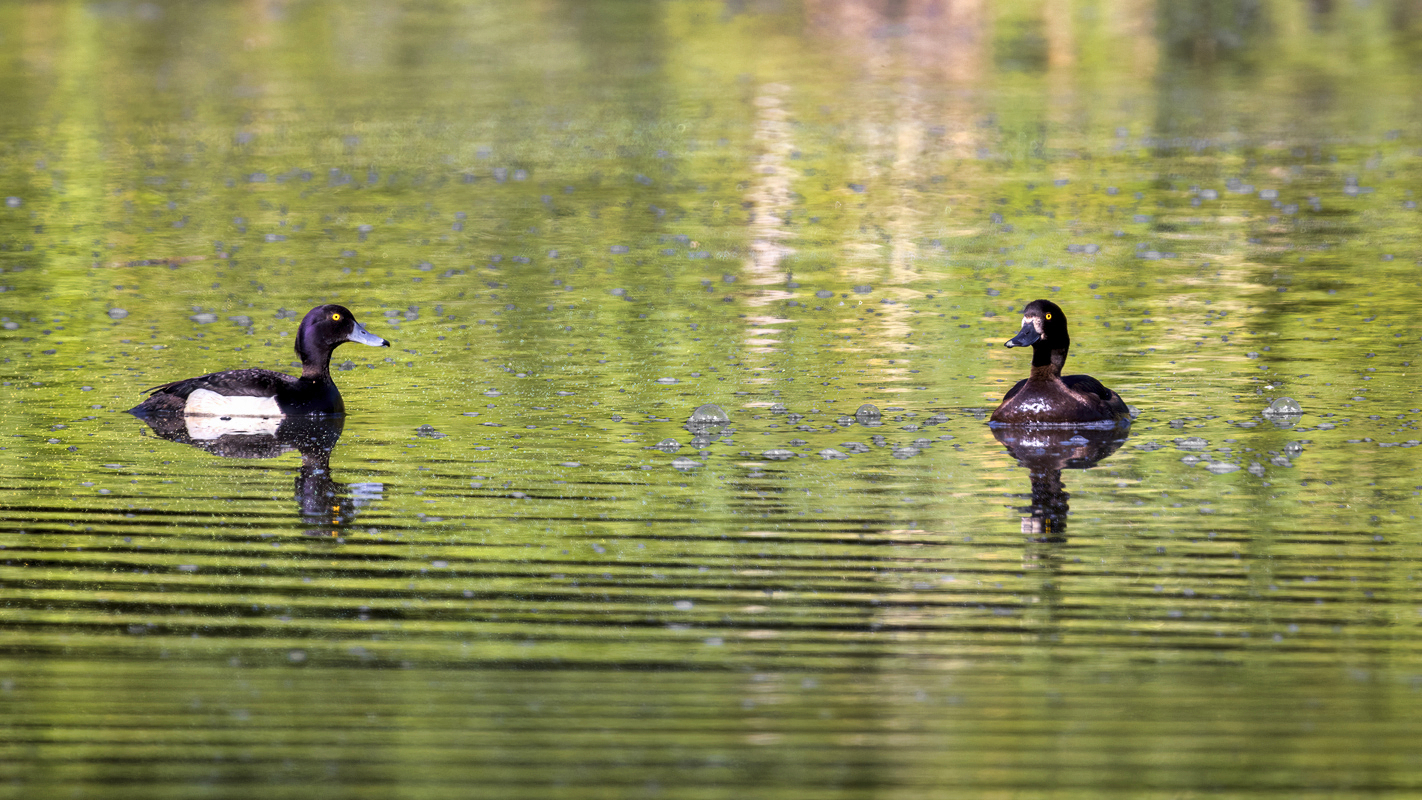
(1042,321)
(323,328)
(1044,327)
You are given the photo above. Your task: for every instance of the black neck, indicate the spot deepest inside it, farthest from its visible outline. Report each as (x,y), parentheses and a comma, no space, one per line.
(313,365)
(316,369)
(1044,355)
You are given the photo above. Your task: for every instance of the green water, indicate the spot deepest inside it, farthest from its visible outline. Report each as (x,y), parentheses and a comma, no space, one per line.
(579,222)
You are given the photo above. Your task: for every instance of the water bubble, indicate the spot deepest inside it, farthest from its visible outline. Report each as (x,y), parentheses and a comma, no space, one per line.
(203,318)
(1284,406)
(668,445)
(117,313)
(778,454)
(867,412)
(1285,412)
(855,447)
(1221,468)
(829,453)
(683,463)
(710,413)
(1191,443)
(707,419)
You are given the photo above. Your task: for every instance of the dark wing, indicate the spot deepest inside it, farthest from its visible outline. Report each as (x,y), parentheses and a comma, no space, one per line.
(1087,385)
(232,383)
(1014,390)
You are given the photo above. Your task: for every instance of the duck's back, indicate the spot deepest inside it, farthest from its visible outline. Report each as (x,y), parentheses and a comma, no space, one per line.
(243,392)
(1092,388)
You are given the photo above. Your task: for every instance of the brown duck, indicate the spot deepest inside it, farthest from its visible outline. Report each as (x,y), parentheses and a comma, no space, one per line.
(1047,397)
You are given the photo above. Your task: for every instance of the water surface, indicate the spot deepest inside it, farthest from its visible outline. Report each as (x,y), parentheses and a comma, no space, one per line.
(578,223)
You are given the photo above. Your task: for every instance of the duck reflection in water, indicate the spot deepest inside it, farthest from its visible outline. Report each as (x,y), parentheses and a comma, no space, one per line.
(325,505)
(1045,452)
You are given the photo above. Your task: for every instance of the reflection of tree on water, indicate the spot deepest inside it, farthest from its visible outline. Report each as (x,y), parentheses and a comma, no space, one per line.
(1045,452)
(324,504)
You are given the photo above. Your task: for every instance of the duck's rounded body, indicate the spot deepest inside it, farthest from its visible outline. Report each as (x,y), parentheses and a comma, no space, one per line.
(1046,397)
(262,392)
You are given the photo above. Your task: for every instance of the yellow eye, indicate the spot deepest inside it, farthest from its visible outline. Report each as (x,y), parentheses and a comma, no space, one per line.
(336,316)
(1049,315)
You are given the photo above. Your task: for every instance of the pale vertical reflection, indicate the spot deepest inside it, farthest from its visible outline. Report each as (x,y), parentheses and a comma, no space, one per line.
(769,194)
(263,20)
(1132,23)
(1061,43)
(40,38)
(920,63)
(1061,85)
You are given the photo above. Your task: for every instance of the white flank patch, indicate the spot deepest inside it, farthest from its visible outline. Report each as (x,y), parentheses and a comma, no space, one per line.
(207,403)
(205,429)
